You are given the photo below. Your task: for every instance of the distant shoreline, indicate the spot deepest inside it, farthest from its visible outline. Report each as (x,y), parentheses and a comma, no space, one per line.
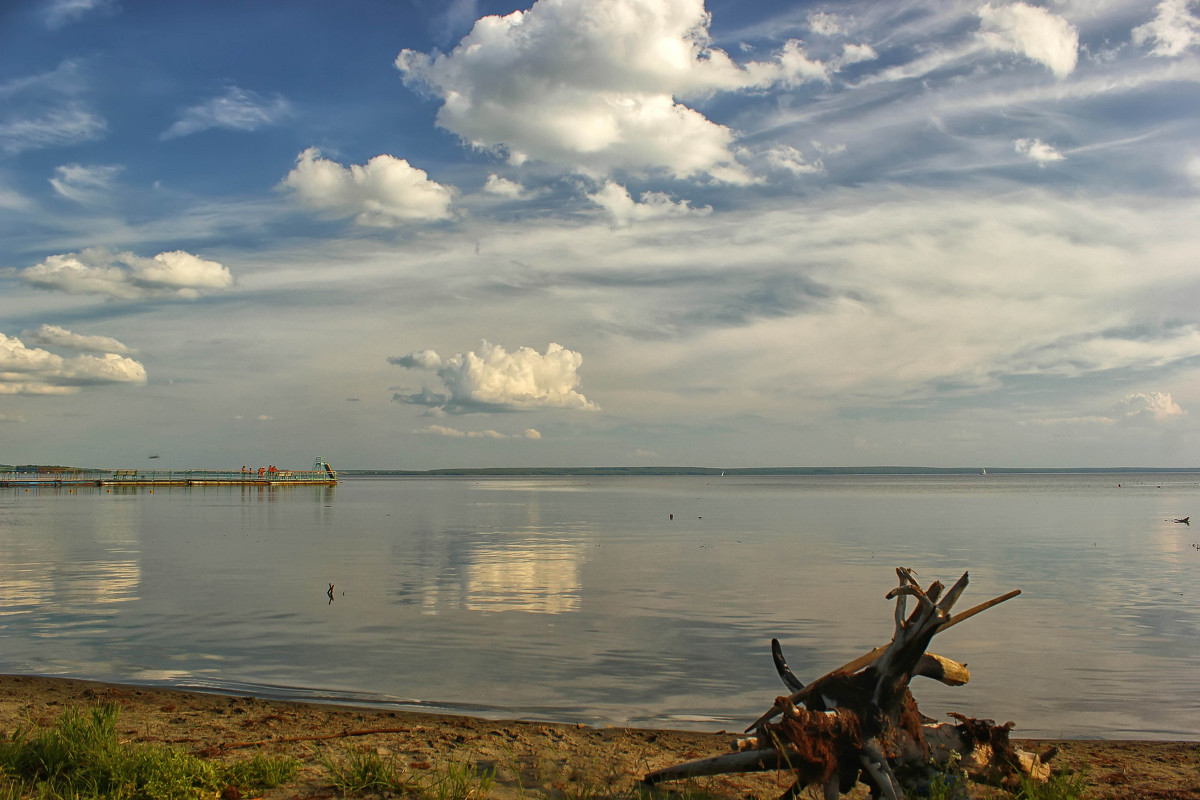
(566,472)
(760,471)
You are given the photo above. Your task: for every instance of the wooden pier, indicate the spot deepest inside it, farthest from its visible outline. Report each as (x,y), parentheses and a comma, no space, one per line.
(320,475)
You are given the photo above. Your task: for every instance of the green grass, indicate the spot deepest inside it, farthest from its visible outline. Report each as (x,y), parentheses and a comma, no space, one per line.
(363,770)
(1059,787)
(81,758)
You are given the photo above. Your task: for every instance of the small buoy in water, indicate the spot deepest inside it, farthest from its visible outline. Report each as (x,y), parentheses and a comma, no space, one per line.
(672,516)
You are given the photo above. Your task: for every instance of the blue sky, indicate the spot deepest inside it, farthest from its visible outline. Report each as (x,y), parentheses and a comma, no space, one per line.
(419,234)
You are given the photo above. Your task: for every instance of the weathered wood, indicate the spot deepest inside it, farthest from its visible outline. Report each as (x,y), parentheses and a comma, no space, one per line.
(861,723)
(943,670)
(866,659)
(762,760)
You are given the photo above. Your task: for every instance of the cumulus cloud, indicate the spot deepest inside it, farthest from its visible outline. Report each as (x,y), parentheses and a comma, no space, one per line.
(1038,151)
(236,110)
(171,275)
(55,336)
(503,187)
(454,433)
(421,359)
(1150,407)
(84,184)
(1032,32)
(384,192)
(594,86)
(34,371)
(624,210)
(1173,30)
(496,380)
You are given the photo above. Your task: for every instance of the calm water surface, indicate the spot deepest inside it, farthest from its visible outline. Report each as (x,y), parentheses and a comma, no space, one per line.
(582,600)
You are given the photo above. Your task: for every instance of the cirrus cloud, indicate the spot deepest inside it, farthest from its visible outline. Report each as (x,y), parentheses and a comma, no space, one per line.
(454,433)
(236,110)
(84,184)
(496,380)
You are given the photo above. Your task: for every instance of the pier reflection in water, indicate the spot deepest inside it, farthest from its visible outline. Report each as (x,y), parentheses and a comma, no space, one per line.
(585,600)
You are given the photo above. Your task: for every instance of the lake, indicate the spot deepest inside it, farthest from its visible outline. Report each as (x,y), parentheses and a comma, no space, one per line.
(647,601)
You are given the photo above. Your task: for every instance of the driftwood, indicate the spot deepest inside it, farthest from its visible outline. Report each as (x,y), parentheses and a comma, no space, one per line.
(861,723)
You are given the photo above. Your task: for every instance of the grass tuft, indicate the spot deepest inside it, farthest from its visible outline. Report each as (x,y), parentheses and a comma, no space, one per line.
(1059,787)
(81,758)
(364,770)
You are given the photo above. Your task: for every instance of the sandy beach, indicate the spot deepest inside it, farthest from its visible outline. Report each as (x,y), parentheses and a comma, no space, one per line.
(529,759)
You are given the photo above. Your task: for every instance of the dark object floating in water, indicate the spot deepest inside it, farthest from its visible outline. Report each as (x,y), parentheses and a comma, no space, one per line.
(1185,520)
(861,722)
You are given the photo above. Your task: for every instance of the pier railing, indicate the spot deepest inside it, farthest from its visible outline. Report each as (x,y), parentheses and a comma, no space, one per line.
(165,477)
(220,476)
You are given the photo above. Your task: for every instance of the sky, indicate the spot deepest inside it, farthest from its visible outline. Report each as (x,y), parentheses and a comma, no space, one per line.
(417,234)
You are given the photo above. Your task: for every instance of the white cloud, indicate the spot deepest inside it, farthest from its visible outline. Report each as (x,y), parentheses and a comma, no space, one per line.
(55,336)
(503,187)
(13,200)
(58,13)
(1173,30)
(454,433)
(236,110)
(854,54)
(34,371)
(84,184)
(593,86)
(1032,32)
(421,359)
(792,160)
(616,200)
(47,109)
(384,192)
(1150,407)
(54,128)
(175,274)
(1191,168)
(495,380)
(1053,421)
(823,23)
(1038,151)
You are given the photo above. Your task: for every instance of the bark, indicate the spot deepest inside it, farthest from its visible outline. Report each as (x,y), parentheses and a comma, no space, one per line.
(861,722)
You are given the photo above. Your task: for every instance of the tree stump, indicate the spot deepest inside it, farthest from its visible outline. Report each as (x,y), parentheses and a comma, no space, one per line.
(861,722)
